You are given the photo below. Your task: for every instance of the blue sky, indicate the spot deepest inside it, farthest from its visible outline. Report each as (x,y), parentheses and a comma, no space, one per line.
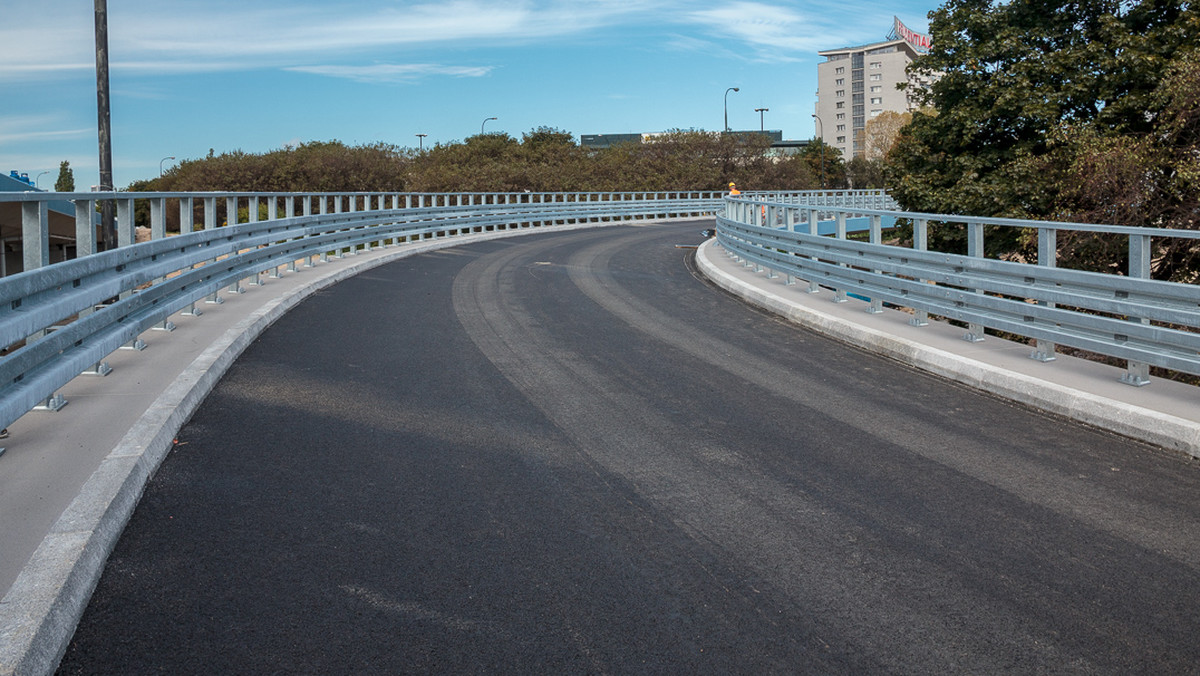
(257,75)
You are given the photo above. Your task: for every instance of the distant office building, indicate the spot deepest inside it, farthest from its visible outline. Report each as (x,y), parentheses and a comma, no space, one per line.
(598,141)
(779,145)
(855,84)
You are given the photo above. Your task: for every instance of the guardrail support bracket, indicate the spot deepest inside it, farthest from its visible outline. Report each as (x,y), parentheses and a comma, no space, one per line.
(1044,351)
(1137,374)
(135,344)
(99,369)
(54,403)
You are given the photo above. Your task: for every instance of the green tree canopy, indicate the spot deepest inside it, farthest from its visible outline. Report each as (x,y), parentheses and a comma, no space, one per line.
(1009,74)
(542,160)
(66,178)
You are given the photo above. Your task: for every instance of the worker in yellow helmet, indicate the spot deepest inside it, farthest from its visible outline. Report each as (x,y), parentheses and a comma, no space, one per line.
(733,189)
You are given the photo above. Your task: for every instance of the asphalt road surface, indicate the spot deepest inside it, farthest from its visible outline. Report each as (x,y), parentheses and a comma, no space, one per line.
(565,453)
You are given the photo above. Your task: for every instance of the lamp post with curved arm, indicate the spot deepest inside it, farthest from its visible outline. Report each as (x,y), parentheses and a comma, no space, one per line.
(485,121)
(821,136)
(39,178)
(160,163)
(731,89)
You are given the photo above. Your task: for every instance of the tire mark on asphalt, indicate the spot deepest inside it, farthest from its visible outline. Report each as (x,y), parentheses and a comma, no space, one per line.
(766,526)
(1169,531)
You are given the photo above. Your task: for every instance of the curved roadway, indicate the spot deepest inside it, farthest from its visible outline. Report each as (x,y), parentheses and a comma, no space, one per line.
(567,453)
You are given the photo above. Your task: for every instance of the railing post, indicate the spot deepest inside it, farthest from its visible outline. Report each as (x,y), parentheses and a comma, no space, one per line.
(814,228)
(35,234)
(186,225)
(158,218)
(920,243)
(126,235)
(876,237)
(85,229)
(35,243)
(210,223)
(789,224)
(186,215)
(1046,257)
(975,249)
(231,219)
(85,245)
(1138,373)
(840,293)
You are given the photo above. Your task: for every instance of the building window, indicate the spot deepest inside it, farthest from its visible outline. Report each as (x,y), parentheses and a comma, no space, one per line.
(876,77)
(841,116)
(877,100)
(876,111)
(840,81)
(841,127)
(876,90)
(841,104)
(840,70)
(841,139)
(876,65)
(840,92)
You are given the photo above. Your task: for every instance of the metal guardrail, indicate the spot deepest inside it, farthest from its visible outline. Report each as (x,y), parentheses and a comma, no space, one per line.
(1143,321)
(59,321)
(863,199)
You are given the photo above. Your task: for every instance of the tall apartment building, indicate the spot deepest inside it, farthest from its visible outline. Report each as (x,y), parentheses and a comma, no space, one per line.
(855,84)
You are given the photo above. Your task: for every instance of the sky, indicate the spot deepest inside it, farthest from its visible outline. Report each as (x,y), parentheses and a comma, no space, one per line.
(187,76)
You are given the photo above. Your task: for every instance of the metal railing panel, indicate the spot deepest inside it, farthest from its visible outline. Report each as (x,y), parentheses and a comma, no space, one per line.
(1104,313)
(58,320)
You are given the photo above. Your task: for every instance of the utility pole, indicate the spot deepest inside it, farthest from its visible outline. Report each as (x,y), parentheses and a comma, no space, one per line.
(108,230)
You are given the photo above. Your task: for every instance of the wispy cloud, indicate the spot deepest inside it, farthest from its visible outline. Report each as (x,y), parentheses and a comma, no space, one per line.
(37,128)
(773,32)
(386,72)
(45,135)
(217,35)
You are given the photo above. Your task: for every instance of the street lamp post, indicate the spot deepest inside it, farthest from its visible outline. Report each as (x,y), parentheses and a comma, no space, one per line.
(485,121)
(421,142)
(761,125)
(731,89)
(821,136)
(160,163)
(39,178)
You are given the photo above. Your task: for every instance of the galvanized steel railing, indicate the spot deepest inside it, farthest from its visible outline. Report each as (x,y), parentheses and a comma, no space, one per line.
(61,320)
(1131,317)
(862,199)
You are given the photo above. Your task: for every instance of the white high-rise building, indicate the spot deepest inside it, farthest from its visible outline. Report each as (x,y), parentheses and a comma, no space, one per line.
(855,84)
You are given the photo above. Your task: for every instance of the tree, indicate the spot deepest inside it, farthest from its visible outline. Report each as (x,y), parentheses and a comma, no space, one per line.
(1014,82)
(1007,75)
(66,178)
(881,132)
(825,163)
(1150,179)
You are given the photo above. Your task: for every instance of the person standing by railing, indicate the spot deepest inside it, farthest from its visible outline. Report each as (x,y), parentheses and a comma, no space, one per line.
(733,191)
